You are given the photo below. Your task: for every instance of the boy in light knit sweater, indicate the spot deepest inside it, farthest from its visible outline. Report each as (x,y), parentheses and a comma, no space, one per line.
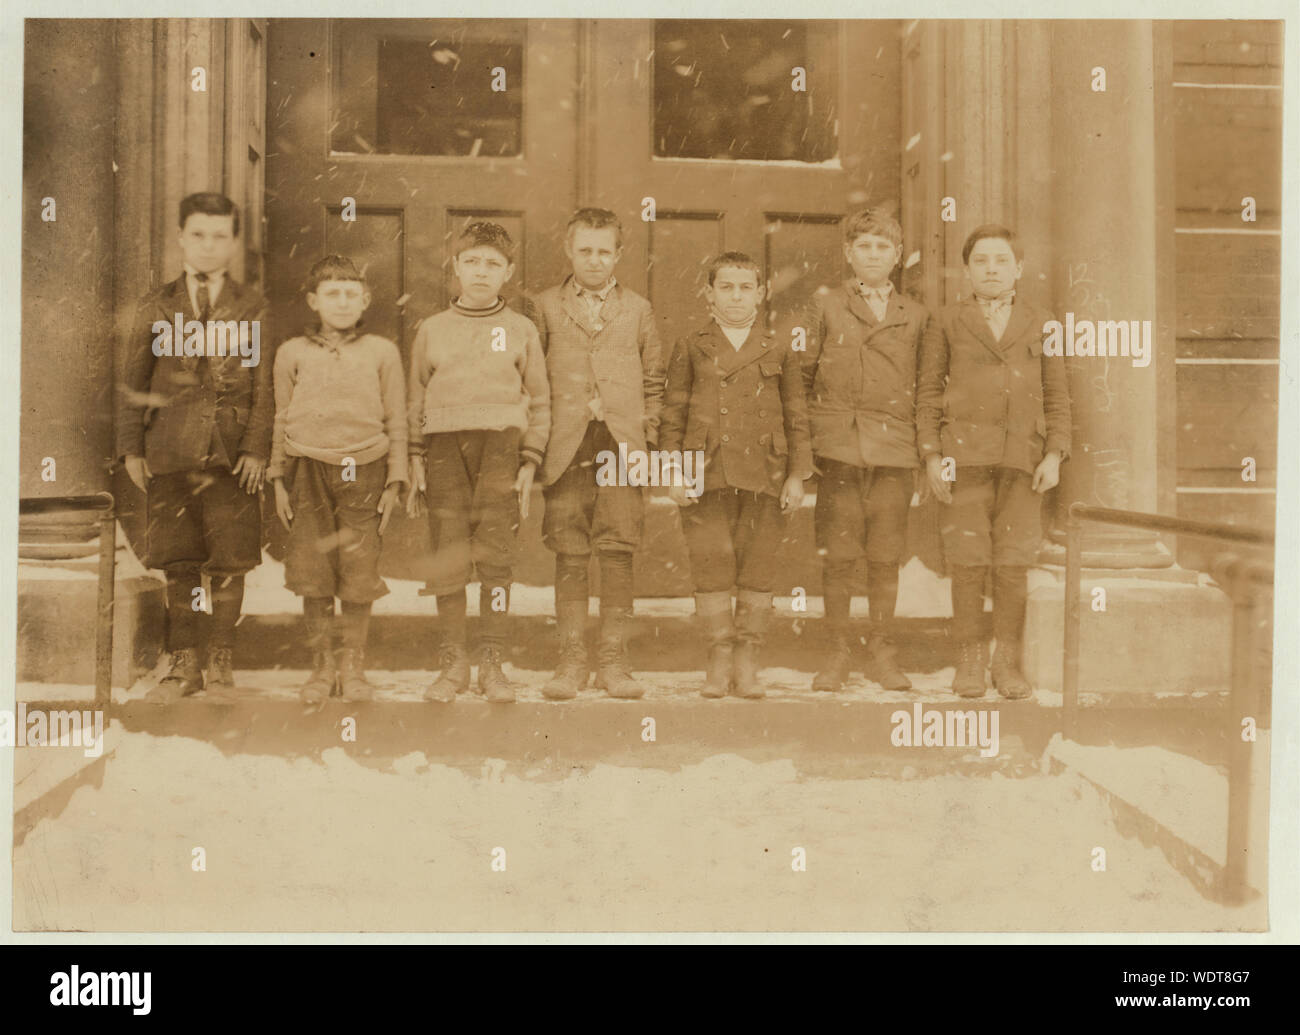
(339,443)
(479,411)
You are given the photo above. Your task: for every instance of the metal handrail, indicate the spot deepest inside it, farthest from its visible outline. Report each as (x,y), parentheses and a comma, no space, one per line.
(1242,579)
(102,501)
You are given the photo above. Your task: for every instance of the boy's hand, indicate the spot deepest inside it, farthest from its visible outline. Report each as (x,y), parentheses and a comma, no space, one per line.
(678,494)
(940,489)
(792,494)
(137,469)
(415,494)
(251,472)
(1047,475)
(524,486)
(388,503)
(282,509)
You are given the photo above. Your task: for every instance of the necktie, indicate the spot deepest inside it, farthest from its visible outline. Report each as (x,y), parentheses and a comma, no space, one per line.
(204,299)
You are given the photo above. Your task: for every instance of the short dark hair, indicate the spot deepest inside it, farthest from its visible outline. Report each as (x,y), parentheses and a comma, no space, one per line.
(596,219)
(333,267)
(876,221)
(737,260)
(483,234)
(209,203)
(991,231)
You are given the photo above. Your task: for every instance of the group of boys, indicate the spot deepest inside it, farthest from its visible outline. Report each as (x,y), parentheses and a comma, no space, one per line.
(867,392)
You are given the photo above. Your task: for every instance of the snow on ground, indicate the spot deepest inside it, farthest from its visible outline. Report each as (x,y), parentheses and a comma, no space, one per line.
(330,844)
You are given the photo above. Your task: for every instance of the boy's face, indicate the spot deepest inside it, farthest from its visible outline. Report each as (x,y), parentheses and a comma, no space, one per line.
(993,267)
(593,254)
(208,242)
(482,272)
(339,303)
(873,258)
(735,293)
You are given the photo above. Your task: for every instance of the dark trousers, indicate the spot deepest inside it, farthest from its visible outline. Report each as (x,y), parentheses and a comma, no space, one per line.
(334,541)
(995,517)
(582,516)
(732,536)
(202,520)
(862,511)
(473,509)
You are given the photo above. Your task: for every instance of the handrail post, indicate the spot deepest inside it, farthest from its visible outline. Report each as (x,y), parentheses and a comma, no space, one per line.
(1240,706)
(1073,618)
(105,605)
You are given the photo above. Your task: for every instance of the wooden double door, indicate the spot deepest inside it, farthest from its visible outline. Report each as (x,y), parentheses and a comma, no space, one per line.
(751,136)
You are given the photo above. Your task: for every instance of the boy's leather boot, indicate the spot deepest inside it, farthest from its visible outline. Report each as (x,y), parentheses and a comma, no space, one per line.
(967,614)
(837,595)
(493,613)
(453,657)
(219,680)
(1010,589)
(318,613)
(352,654)
(882,596)
(612,672)
(714,613)
(184,678)
(227,602)
(574,670)
(753,610)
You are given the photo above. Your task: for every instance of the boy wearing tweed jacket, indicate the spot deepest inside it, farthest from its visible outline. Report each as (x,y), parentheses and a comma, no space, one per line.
(607,383)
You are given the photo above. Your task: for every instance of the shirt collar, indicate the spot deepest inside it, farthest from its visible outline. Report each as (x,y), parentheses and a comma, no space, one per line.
(316,334)
(881,293)
(998,301)
(602,293)
(215,277)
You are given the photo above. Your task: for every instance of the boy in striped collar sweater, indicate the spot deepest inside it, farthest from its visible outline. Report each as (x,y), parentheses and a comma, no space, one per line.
(479,414)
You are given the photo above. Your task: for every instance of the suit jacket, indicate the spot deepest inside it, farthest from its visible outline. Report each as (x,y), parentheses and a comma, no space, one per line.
(992,403)
(744,409)
(860,377)
(616,356)
(176,410)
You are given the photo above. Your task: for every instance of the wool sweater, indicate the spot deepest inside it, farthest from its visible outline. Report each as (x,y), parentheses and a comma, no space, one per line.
(339,396)
(479,371)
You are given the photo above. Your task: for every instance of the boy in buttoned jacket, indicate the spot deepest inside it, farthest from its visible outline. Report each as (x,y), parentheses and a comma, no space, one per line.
(735,397)
(607,380)
(995,412)
(863,343)
(194,433)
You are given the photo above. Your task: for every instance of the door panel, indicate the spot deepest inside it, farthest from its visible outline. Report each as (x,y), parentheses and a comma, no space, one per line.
(346,119)
(784,211)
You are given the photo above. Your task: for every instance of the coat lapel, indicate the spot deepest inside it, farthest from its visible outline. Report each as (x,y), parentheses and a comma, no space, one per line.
(1019,321)
(972,316)
(858,305)
(575,307)
(757,345)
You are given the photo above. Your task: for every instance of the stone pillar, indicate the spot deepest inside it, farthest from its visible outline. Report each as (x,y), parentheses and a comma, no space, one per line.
(1105,240)
(69,69)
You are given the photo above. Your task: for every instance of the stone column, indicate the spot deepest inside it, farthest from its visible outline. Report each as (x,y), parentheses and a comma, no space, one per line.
(1105,235)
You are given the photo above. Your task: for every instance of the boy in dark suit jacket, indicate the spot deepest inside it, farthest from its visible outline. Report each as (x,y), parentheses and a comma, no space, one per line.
(735,398)
(607,383)
(194,432)
(864,339)
(990,402)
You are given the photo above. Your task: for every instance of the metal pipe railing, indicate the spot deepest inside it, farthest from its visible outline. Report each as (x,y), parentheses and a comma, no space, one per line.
(1242,580)
(107,576)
